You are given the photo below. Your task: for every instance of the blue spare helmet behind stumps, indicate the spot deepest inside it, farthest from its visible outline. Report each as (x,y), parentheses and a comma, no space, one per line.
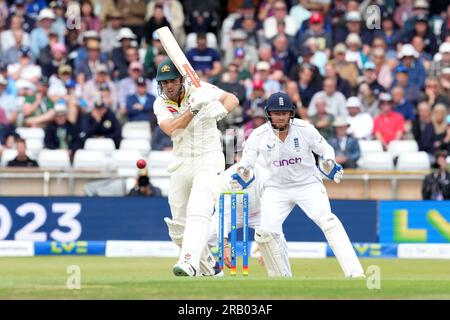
(279,101)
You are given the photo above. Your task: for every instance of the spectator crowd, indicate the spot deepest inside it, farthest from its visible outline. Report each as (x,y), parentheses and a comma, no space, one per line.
(357,70)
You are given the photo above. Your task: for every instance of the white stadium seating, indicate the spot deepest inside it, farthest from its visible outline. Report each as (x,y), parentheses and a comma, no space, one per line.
(54,159)
(89,159)
(106,145)
(34,146)
(370,146)
(158,172)
(376,161)
(31,133)
(128,172)
(140,145)
(137,130)
(413,161)
(159,159)
(124,159)
(162,183)
(398,147)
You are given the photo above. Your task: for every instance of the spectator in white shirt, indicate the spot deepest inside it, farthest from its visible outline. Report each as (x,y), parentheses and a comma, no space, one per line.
(360,123)
(9,36)
(335,99)
(280,13)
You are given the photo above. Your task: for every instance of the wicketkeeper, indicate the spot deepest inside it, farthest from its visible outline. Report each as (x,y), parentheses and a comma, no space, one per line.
(286,146)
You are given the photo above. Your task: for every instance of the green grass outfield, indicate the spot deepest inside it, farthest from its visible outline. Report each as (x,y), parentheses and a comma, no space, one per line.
(151,278)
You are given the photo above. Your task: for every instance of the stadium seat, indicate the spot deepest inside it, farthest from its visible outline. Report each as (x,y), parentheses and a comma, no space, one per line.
(376,161)
(398,147)
(413,161)
(159,159)
(140,145)
(136,130)
(191,41)
(370,146)
(106,145)
(162,183)
(128,172)
(54,159)
(158,172)
(35,146)
(31,133)
(124,159)
(90,159)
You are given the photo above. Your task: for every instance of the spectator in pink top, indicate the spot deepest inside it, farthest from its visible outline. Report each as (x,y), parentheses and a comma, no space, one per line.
(388,125)
(87,13)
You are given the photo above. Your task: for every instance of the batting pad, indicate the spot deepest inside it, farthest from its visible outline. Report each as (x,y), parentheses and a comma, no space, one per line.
(176,232)
(340,244)
(272,253)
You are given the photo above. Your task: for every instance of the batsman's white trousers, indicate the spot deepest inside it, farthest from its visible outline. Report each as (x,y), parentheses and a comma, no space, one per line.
(278,202)
(195,185)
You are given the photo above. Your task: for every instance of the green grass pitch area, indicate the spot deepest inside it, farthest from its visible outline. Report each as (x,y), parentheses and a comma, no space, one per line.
(151,278)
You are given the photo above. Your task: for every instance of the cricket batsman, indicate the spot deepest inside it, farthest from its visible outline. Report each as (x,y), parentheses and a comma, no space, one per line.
(286,146)
(189,116)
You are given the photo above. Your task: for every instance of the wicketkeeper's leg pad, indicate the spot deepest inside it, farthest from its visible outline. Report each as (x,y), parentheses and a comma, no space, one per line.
(340,244)
(275,257)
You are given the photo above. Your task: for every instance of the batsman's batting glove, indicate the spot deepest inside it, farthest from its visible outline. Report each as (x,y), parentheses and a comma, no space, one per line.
(242,179)
(198,99)
(330,169)
(215,110)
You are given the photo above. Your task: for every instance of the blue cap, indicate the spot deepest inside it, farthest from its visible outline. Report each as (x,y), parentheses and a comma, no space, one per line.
(19,2)
(369,65)
(401,69)
(71,83)
(279,101)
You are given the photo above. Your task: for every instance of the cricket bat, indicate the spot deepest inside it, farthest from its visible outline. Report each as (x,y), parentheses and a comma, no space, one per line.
(177,56)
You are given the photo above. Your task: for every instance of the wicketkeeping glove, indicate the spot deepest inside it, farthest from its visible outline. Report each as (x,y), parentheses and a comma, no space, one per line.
(330,169)
(242,178)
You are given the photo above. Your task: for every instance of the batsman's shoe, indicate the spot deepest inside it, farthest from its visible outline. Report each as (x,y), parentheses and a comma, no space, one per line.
(184,270)
(357,275)
(218,272)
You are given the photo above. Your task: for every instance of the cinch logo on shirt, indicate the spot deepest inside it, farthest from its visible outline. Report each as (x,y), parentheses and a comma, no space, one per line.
(286,162)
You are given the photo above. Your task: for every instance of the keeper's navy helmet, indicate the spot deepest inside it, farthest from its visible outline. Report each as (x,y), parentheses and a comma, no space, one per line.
(279,101)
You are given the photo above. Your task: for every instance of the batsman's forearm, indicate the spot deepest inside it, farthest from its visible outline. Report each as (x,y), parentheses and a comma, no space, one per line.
(230,101)
(170,127)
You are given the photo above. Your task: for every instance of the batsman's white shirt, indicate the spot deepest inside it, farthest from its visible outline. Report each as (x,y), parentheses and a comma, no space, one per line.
(290,162)
(201,136)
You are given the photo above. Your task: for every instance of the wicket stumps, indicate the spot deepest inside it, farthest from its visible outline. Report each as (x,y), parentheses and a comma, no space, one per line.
(233,195)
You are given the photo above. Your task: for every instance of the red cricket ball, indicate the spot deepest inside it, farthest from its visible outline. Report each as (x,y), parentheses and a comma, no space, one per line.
(141,163)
